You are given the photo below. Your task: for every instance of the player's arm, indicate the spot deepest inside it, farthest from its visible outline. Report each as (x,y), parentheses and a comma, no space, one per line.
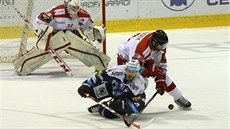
(42,18)
(139,50)
(163,61)
(94,36)
(92,33)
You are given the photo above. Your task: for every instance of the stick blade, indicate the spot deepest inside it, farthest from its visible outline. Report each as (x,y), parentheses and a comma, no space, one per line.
(126,123)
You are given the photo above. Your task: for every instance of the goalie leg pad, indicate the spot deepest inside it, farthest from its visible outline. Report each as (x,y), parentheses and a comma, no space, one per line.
(31,61)
(35,58)
(86,53)
(44,36)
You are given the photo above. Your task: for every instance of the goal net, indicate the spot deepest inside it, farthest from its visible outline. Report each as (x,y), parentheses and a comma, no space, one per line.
(14,31)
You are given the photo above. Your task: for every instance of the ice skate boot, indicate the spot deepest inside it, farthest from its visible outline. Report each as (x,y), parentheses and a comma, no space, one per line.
(94,108)
(183,103)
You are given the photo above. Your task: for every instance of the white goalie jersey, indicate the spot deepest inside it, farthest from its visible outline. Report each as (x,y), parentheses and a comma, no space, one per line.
(58,18)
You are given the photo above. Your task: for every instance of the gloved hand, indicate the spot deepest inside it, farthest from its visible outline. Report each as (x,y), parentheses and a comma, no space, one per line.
(160,85)
(154,72)
(159,71)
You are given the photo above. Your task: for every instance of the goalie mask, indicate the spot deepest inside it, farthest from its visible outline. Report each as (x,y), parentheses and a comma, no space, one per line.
(72,7)
(159,40)
(132,69)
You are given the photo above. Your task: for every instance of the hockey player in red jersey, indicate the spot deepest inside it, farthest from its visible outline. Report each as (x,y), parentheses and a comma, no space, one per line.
(65,27)
(150,50)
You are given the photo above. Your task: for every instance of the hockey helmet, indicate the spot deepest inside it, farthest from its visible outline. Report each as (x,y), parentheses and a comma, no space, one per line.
(132,69)
(159,40)
(72,7)
(133,65)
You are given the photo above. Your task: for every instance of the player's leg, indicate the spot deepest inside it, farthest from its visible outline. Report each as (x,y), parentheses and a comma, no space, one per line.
(43,36)
(29,61)
(173,90)
(36,57)
(124,106)
(86,53)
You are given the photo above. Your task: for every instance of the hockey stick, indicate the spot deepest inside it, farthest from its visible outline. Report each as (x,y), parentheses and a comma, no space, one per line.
(25,32)
(154,95)
(114,112)
(52,52)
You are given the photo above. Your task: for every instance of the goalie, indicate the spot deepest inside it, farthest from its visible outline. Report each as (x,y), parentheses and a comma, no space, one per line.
(65,27)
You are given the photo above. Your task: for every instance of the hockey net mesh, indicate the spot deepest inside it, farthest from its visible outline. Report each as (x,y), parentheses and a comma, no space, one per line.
(11,24)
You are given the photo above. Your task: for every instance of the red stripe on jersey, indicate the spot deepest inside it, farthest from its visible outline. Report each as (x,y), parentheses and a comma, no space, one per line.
(83,13)
(142,46)
(52,11)
(163,59)
(139,57)
(62,16)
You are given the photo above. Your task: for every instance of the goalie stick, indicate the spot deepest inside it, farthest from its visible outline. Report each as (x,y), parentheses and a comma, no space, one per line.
(127,120)
(154,95)
(52,52)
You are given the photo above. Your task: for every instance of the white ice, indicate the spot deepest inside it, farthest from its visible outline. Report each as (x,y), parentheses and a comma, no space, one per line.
(198,63)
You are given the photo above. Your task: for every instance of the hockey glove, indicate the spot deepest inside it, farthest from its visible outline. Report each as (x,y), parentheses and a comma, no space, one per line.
(157,71)
(160,85)
(154,71)
(118,106)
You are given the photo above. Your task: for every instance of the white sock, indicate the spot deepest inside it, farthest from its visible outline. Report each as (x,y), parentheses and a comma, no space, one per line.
(175,93)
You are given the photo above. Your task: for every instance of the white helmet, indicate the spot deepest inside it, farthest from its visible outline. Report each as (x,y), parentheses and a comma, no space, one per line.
(133,65)
(132,69)
(72,7)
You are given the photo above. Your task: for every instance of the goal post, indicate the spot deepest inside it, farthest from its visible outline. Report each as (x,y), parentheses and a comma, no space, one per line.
(16,36)
(22,47)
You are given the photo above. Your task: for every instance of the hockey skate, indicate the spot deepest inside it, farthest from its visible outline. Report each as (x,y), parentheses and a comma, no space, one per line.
(94,108)
(183,103)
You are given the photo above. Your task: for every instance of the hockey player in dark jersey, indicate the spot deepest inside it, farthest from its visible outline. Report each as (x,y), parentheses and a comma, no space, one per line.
(123,83)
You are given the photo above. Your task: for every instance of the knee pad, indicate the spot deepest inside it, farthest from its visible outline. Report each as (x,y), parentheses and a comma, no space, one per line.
(107,114)
(118,105)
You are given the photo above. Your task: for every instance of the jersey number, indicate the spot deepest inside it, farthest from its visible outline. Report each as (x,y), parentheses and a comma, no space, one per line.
(69,25)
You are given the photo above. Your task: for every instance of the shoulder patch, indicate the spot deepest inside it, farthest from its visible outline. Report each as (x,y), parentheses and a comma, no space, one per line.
(44,17)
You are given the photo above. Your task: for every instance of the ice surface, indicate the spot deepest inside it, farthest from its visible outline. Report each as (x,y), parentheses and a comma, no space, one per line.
(198,63)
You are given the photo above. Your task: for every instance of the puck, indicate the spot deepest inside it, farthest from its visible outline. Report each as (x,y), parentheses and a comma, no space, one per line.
(171,106)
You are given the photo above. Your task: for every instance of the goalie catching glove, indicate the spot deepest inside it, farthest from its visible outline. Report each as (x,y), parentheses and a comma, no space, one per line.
(95,36)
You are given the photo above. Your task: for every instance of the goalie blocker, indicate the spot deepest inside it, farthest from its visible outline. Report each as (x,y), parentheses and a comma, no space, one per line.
(68,41)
